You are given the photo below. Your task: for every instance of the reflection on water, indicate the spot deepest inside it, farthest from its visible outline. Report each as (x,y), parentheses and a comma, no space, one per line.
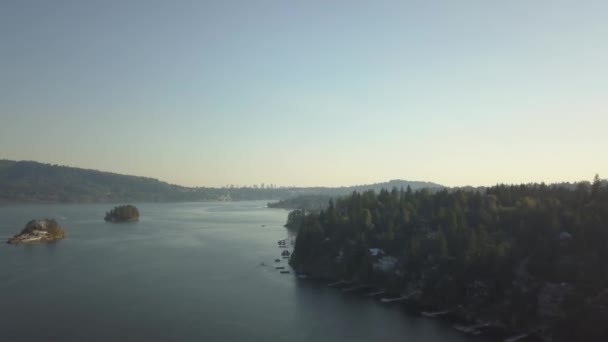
(185,272)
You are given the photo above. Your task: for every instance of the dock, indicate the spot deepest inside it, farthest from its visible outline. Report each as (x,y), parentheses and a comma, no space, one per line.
(395,299)
(436,313)
(470,329)
(516,338)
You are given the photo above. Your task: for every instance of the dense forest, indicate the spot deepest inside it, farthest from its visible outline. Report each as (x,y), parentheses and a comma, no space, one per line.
(304,202)
(122,213)
(531,258)
(317,198)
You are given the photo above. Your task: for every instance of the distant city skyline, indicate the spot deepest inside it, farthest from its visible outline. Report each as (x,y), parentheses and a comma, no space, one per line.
(314,93)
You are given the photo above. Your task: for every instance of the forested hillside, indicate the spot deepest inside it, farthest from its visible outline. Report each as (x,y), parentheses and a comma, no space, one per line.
(27,181)
(529,257)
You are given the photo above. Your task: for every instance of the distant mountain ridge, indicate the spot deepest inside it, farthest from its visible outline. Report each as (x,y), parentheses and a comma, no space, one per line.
(34,182)
(28,181)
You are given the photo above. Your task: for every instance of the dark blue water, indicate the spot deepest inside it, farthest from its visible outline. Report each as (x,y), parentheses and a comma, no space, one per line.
(185,272)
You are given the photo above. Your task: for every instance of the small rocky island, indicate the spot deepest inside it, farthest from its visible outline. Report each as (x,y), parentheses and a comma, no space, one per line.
(123,213)
(38,231)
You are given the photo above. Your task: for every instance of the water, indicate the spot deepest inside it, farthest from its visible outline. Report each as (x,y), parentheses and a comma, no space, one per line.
(185,272)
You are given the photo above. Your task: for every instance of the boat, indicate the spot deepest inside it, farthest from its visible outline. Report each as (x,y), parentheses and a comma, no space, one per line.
(393,299)
(471,329)
(430,314)
(277,260)
(517,338)
(280,267)
(375,293)
(285,253)
(285,272)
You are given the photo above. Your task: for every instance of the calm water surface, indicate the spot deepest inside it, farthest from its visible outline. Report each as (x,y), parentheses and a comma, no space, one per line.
(185,272)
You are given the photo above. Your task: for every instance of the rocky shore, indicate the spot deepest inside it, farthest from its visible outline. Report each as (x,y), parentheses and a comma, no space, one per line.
(531,310)
(38,231)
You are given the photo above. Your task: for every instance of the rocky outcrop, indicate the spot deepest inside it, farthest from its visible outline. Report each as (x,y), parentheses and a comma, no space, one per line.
(38,231)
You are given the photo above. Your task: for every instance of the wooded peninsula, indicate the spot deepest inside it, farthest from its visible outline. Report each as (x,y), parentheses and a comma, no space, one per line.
(525,258)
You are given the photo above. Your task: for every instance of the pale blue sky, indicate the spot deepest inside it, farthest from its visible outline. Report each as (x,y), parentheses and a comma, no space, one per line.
(308,92)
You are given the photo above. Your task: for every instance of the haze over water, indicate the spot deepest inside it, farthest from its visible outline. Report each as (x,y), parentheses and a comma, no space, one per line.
(185,272)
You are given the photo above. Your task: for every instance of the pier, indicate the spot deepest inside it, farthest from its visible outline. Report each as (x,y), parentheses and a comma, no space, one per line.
(395,299)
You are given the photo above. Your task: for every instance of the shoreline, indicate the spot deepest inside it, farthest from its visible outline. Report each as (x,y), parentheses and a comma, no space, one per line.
(458,318)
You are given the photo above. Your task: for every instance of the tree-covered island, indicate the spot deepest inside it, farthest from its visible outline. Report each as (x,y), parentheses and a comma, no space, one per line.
(38,231)
(123,213)
(526,258)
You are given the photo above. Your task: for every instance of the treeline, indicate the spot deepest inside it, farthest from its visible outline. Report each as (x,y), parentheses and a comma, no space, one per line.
(497,253)
(26,181)
(123,213)
(304,202)
(48,225)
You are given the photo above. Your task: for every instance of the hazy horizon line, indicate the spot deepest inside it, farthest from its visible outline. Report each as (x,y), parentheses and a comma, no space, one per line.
(276,186)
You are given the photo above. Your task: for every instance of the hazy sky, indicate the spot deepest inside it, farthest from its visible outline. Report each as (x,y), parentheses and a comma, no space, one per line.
(308,92)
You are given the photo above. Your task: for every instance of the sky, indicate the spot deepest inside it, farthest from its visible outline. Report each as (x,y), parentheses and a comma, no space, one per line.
(289,92)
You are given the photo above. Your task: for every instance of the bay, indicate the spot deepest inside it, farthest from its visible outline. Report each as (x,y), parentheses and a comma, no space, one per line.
(184,272)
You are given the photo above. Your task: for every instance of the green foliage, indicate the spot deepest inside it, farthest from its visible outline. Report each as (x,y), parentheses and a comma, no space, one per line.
(50,226)
(123,213)
(53,229)
(448,239)
(295,219)
(303,202)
